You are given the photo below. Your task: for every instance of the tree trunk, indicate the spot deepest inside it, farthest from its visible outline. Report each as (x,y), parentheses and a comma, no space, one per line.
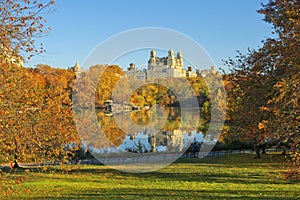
(257,152)
(263,150)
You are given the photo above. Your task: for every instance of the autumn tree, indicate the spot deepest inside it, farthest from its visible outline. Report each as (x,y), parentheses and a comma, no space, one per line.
(246,97)
(265,83)
(107,79)
(36,119)
(284,71)
(22,23)
(151,94)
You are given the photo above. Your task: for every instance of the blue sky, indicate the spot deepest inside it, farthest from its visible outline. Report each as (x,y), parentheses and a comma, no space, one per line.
(220,26)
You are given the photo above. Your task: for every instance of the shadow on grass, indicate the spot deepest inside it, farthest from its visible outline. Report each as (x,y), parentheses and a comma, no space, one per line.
(208,178)
(198,177)
(138,193)
(206,170)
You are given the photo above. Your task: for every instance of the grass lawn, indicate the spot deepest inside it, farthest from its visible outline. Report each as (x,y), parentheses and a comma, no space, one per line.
(231,177)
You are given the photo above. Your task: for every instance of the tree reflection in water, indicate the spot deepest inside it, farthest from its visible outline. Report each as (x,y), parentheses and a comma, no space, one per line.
(174,136)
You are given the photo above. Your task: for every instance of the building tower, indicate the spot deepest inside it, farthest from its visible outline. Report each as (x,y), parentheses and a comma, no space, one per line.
(179,59)
(170,58)
(77,69)
(152,60)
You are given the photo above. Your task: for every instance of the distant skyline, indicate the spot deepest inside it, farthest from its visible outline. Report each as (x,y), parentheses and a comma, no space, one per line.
(221,27)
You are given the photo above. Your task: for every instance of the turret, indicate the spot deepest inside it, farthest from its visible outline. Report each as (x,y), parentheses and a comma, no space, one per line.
(170,58)
(77,69)
(131,66)
(151,62)
(153,54)
(212,70)
(179,59)
(179,55)
(171,53)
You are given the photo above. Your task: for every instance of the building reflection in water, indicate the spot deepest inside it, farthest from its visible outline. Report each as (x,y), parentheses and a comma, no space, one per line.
(170,140)
(173,137)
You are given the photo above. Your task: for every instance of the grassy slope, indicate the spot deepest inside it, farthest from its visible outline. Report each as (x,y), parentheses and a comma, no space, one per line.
(231,177)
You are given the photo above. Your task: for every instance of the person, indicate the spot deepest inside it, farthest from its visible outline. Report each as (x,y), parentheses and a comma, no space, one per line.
(14,165)
(195,148)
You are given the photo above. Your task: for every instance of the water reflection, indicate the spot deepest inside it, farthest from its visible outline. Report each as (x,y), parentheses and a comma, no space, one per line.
(170,134)
(164,141)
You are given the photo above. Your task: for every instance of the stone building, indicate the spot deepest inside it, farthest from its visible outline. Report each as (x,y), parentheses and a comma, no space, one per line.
(133,72)
(77,69)
(190,73)
(205,72)
(165,67)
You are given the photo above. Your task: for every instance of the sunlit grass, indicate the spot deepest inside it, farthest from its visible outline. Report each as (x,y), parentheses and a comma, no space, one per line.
(231,177)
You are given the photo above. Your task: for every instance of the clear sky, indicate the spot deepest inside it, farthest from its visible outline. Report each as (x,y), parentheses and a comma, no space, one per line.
(220,26)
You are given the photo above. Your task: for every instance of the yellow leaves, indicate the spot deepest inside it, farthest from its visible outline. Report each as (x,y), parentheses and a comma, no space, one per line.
(32,115)
(280,84)
(57,152)
(44,168)
(18,20)
(263,108)
(276,111)
(262,125)
(269,101)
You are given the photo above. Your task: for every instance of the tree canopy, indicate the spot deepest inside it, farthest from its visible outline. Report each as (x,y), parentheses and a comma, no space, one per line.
(36,117)
(264,95)
(22,23)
